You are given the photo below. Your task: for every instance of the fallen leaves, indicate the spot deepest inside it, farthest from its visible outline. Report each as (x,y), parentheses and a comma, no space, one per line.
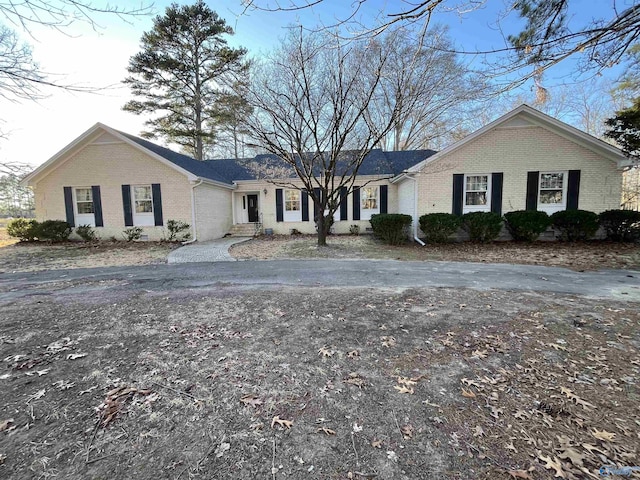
(115,401)
(281,422)
(388,341)
(326,431)
(553,464)
(603,435)
(75,356)
(326,352)
(403,389)
(520,474)
(407,431)
(6,425)
(251,400)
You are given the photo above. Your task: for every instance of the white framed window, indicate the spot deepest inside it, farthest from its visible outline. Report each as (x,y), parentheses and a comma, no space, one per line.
(142,200)
(552,191)
(369,202)
(477,193)
(292,206)
(84,207)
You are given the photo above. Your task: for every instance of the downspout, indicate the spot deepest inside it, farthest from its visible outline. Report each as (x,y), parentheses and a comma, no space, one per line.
(193,212)
(415,211)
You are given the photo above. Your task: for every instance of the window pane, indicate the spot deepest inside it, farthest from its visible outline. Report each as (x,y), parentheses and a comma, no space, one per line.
(369,198)
(144,206)
(551,196)
(292,200)
(476,198)
(84,195)
(477,182)
(142,193)
(551,180)
(85,207)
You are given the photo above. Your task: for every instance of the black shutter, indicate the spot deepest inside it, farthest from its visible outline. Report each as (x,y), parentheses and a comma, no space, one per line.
(496,193)
(279,206)
(126,205)
(356,203)
(458,193)
(97,206)
(383,198)
(157,204)
(316,206)
(343,203)
(532,190)
(68,206)
(573,189)
(305,206)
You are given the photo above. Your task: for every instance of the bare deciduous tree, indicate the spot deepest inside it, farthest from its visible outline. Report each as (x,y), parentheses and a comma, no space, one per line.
(433,91)
(314,104)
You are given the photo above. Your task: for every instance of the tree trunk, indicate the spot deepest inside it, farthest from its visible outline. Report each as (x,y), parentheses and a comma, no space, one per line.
(322,232)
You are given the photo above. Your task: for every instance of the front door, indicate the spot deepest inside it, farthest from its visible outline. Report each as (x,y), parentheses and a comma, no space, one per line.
(252,209)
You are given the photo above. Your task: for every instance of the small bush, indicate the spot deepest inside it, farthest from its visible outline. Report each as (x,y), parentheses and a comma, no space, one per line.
(391,228)
(482,227)
(178,231)
(574,225)
(53,231)
(354,230)
(24,229)
(86,233)
(132,233)
(621,225)
(438,227)
(527,225)
(295,232)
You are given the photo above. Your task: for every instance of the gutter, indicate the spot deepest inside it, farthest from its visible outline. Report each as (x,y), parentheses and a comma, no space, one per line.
(415,210)
(193,212)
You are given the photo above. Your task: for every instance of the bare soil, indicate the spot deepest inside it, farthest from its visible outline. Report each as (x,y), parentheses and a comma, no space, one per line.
(29,257)
(6,240)
(577,256)
(317,383)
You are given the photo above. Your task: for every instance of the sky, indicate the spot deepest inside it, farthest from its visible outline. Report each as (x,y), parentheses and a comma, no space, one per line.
(98,58)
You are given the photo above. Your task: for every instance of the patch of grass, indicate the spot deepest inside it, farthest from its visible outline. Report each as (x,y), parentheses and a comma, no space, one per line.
(5,239)
(25,257)
(422,383)
(577,256)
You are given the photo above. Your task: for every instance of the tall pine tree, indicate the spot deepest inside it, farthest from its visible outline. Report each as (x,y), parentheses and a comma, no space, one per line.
(185,65)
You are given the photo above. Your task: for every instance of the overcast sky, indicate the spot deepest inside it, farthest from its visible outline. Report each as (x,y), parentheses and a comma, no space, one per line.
(84,57)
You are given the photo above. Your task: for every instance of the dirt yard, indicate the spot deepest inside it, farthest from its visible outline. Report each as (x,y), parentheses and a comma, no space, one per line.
(29,257)
(233,383)
(578,256)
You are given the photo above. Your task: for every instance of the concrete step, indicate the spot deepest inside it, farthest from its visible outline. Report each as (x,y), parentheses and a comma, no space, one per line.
(243,230)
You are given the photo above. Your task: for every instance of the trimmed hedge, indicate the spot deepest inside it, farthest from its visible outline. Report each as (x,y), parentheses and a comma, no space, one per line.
(23,229)
(526,225)
(391,228)
(482,227)
(575,225)
(53,231)
(621,225)
(438,227)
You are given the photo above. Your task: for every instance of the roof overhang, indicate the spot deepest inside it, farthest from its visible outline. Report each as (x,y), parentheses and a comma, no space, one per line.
(537,118)
(85,139)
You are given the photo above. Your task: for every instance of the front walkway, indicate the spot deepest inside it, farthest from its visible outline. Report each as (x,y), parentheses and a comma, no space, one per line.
(210,251)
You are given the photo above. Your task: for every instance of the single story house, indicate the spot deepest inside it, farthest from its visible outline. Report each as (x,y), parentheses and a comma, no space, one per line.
(524,159)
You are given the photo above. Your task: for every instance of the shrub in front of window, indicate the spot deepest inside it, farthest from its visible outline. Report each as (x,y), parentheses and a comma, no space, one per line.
(527,225)
(24,229)
(86,233)
(53,231)
(575,225)
(438,227)
(482,227)
(178,231)
(132,233)
(621,225)
(354,230)
(391,228)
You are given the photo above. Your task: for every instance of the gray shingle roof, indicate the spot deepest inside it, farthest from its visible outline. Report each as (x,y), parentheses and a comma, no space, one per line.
(230,170)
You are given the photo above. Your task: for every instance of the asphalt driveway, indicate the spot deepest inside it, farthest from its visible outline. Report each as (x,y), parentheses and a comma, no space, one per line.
(613,284)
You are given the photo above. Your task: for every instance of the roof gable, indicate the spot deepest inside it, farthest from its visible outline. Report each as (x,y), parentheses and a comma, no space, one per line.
(526,116)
